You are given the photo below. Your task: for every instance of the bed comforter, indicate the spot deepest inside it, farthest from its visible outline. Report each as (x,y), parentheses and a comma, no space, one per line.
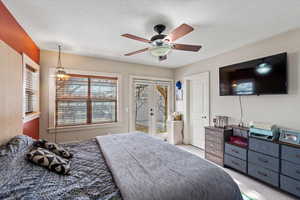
(146,168)
(90,177)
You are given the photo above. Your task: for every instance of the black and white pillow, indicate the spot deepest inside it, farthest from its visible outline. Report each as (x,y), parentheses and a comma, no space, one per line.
(50,160)
(53,147)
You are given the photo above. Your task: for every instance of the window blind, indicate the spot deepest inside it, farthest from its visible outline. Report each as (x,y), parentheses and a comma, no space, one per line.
(86,100)
(30,92)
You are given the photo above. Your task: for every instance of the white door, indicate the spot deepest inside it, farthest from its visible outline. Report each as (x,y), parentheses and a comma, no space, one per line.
(151,106)
(199,108)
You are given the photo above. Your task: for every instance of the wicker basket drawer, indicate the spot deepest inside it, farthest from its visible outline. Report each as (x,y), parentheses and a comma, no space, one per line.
(214,148)
(214,158)
(217,138)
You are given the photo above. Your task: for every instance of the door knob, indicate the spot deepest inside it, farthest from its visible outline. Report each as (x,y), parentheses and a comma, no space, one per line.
(203,117)
(151,114)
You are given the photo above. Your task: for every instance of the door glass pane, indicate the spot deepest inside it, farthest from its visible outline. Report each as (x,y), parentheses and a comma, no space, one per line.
(103,112)
(142,102)
(71,113)
(161,102)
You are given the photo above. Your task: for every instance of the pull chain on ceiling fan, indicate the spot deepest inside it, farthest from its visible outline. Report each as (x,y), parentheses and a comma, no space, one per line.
(161,45)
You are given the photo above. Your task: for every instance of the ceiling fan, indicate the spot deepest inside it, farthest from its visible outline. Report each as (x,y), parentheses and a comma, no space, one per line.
(161,45)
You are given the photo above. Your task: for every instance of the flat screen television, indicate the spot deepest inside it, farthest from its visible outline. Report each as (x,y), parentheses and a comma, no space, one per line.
(256,77)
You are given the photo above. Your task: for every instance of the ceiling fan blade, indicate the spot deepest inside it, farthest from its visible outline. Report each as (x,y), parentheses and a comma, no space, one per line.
(136,38)
(162,58)
(187,47)
(136,52)
(179,32)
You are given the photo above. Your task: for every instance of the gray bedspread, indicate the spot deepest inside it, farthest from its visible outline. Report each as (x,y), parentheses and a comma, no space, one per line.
(146,168)
(90,177)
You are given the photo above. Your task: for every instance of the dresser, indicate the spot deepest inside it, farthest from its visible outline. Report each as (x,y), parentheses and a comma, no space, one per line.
(273,163)
(214,143)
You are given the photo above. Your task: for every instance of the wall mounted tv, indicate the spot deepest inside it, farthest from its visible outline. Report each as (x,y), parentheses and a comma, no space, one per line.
(256,77)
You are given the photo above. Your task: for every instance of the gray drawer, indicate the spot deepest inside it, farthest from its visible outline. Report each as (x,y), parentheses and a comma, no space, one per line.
(263,174)
(290,185)
(263,160)
(290,169)
(235,151)
(235,163)
(290,153)
(263,146)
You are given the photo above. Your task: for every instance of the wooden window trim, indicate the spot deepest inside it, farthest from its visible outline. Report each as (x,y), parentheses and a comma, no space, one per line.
(89,101)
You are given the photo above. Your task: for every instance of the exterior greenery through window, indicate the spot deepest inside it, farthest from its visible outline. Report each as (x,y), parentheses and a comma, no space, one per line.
(83,100)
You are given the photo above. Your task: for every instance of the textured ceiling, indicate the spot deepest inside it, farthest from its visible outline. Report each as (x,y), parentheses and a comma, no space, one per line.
(93,27)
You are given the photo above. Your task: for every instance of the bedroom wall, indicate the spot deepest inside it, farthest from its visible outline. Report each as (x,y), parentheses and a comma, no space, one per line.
(283,110)
(12,33)
(11,93)
(49,60)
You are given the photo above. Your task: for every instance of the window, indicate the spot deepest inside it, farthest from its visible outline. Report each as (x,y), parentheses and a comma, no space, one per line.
(84,99)
(31,78)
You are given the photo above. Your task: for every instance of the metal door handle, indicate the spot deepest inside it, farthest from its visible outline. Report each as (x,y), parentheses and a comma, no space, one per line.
(151,114)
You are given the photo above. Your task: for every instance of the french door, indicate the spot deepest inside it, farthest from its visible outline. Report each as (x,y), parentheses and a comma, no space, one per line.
(151,106)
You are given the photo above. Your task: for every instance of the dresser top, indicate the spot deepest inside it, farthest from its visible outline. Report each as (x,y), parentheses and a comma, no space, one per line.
(218,129)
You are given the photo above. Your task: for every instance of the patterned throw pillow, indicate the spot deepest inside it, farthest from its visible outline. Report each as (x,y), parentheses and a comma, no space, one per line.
(47,159)
(53,147)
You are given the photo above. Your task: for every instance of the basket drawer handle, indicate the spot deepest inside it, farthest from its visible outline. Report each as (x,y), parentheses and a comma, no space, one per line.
(262,160)
(234,151)
(261,173)
(235,163)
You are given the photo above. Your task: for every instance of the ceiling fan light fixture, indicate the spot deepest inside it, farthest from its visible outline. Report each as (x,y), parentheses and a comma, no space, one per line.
(160,51)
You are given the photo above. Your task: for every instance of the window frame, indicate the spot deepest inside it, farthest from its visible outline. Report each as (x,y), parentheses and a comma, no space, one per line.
(29,63)
(52,100)
(89,100)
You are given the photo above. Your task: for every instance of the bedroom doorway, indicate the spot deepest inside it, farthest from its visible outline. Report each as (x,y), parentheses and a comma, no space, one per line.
(151,105)
(197,108)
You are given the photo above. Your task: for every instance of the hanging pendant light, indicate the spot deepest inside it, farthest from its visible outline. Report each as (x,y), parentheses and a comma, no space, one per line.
(61,74)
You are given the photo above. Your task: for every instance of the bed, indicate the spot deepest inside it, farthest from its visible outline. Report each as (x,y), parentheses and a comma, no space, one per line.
(131,166)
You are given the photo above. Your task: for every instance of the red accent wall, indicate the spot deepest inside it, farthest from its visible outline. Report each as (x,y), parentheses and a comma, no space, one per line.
(15,36)
(32,128)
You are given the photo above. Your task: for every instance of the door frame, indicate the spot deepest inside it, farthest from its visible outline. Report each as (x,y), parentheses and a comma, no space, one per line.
(186,102)
(131,97)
